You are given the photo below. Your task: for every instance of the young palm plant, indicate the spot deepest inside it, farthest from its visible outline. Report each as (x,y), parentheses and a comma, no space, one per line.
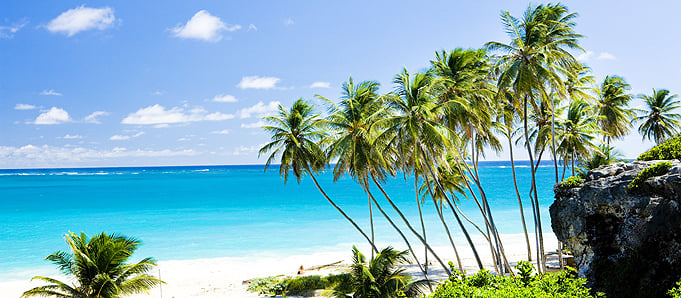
(295,136)
(659,119)
(98,267)
(382,276)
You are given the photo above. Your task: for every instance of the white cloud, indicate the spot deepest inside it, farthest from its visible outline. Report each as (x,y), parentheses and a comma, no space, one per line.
(125,137)
(289,22)
(52,116)
(224,98)
(585,56)
(252,27)
(50,92)
(157,92)
(70,137)
(203,26)
(220,132)
(82,18)
(157,114)
(257,82)
(92,118)
(8,31)
(21,106)
(258,124)
(243,149)
(260,110)
(31,155)
(606,56)
(320,85)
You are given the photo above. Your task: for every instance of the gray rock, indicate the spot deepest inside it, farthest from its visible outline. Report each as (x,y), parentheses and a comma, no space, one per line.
(626,244)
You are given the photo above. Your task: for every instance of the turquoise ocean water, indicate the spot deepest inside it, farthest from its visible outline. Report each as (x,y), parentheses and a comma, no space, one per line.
(220,211)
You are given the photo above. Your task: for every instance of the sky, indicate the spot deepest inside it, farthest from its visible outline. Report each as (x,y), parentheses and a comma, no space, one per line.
(145,83)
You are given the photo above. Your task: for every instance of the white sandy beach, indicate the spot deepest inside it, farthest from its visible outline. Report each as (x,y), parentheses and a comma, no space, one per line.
(223,277)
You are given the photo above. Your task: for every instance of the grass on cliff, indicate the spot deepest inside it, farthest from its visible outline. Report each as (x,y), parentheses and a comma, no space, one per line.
(658,169)
(669,149)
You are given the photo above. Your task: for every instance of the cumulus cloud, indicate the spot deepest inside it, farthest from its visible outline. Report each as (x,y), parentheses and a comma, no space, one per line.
(257,82)
(224,98)
(252,27)
(320,85)
(289,22)
(220,132)
(21,106)
(258,124)
(159,115)
(50,92)
(203,26)
(9,31)
(82,18)
(259,110)
(125,137)
(606,56)
(93,118)
(52,116)
(70,137)
(32,155)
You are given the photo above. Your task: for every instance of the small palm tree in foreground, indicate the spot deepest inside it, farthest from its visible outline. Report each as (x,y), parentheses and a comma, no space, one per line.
(98,269)
(382,277)
(659,119)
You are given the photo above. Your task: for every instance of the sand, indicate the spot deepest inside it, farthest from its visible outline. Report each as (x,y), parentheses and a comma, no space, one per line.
(224,277)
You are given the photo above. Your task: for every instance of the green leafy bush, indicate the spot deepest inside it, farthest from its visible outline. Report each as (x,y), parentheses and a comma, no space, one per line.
(485,284)
(658,169)
(304,284)
(299,285)
(669,149)
(266,285)
(675,292)
(570,182)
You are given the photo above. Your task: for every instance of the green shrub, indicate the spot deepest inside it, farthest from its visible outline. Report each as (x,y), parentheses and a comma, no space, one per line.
(669,149)
(266,285)
(304,284)
(485,284)
(658,169)
(300,285)
(675,292)
(570,182)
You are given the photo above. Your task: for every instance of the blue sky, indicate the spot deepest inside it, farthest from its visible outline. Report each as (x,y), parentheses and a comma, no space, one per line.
(125,83)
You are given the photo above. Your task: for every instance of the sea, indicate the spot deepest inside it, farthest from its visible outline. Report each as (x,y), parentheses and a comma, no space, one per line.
(195,212)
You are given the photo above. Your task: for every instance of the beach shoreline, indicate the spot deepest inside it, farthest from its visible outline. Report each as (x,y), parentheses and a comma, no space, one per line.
(225,277)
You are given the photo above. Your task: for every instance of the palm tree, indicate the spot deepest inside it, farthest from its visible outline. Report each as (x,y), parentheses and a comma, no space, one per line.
(382,277)
(659,120)
(539,46)
(577,132)
(614,116)
(605,155)
(295,136)
(98,267)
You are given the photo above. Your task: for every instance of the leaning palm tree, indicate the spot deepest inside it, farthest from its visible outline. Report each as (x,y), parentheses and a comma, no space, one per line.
(98,267)
(615,116)
(295,136)
(382,277)
(659,119)
(538,48)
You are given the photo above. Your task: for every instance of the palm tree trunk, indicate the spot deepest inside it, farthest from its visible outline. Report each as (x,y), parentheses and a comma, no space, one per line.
(371,223)
(445,267)
(520,201)
(537,215)
(444,223)
(423,226)
(340,210)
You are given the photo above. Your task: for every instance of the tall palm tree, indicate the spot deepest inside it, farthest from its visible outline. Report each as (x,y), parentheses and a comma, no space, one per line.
(659,119)
(577,132)
(295,136)
(98,268)
(538,48)
(382,276)
(613,101)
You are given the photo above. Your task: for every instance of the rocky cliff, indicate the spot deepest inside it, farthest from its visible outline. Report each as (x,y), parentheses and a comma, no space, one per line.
(626,243)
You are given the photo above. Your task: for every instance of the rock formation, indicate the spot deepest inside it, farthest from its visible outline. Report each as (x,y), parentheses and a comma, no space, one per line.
(626,243)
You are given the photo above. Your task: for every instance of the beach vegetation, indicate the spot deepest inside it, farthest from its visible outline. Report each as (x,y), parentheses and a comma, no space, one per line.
(675,292)
(605,155)
(98,267)
(526,284)
(668,149)
(572,181)
(660,121)
(655,170)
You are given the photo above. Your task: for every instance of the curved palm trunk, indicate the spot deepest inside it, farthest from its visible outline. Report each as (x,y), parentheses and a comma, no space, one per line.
(340,210)
(520,201)
(535,203)
(444,223)
(445,267)
(371,223)
(411,250)
(423,226)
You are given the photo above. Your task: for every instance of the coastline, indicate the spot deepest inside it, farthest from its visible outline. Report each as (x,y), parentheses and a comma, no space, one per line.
(223,277)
